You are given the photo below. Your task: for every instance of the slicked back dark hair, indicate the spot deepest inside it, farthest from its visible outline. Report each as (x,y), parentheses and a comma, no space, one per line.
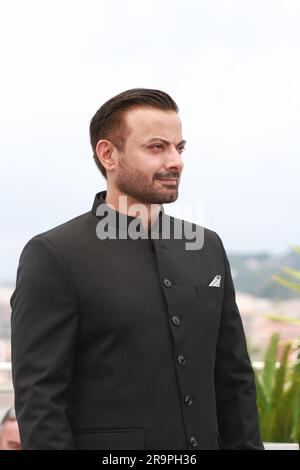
(108,122)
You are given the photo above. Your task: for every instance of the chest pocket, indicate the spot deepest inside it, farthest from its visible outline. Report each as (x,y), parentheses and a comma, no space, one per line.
(209,292)
(209,308)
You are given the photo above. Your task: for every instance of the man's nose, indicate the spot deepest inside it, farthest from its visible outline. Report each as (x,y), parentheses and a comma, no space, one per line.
(173,159)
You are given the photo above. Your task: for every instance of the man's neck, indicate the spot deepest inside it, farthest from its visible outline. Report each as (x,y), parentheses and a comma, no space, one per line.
(130,206)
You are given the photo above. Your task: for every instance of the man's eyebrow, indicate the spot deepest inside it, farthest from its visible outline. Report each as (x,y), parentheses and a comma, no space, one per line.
(155,139)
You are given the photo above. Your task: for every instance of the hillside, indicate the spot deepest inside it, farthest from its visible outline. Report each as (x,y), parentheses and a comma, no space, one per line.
(252,273)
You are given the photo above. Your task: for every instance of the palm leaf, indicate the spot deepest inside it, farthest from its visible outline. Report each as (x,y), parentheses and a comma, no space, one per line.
(280,375)
(282,424)
(270,365)
(291,285)
(295,431)
(262,402)
(295,248)
(282,318)
(291,272)
(274,424)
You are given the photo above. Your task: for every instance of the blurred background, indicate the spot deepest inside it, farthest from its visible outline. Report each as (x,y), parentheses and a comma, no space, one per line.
(232,66)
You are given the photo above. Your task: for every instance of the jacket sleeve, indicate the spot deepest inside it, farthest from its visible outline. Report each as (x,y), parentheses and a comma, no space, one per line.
(237,413)
(43,325)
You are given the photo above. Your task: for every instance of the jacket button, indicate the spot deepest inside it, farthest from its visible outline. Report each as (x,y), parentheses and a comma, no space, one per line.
(181,359)
(167,282)
(193,441)
(176,320)
(188,400)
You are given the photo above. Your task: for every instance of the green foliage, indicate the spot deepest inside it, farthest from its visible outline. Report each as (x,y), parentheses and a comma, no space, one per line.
(278,394)
(278,388)
(283,319)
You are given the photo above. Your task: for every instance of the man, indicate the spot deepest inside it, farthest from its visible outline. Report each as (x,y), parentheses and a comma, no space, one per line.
(123,336)
(9,432)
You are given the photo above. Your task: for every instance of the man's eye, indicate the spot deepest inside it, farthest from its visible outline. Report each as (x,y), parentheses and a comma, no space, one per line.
(157,146)
(180,149)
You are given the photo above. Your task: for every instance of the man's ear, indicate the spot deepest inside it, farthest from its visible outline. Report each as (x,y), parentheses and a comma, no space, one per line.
(106,153)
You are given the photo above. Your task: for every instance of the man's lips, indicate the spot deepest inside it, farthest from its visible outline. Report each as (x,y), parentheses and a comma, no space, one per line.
(168,180)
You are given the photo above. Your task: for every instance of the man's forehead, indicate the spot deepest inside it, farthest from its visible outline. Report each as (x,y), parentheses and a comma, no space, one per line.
(148,120)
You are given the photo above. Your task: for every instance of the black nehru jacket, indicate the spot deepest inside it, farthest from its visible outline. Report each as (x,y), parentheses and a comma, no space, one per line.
(122,344)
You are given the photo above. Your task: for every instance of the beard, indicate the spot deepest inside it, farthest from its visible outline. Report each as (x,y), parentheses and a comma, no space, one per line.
(136,184)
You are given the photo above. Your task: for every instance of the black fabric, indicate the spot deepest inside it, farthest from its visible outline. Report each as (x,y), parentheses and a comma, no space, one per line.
(98,359)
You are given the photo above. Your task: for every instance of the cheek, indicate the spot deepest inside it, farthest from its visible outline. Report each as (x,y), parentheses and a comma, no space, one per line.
(149,168)
(142,164)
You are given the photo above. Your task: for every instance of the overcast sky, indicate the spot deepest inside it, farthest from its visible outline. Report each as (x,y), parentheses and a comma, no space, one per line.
(233,67)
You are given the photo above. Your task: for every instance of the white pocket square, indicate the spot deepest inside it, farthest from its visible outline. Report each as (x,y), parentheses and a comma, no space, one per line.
(216,282)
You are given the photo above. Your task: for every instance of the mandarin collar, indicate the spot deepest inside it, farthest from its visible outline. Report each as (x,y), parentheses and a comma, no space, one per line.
(118,218)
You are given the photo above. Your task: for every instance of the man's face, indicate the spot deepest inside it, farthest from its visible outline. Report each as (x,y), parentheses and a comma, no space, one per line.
(150,164)
(9,436)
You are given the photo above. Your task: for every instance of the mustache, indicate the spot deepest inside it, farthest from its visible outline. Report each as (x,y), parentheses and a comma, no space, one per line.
(173,174)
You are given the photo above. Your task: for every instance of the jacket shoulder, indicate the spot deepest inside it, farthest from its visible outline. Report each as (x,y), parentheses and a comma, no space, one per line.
(71,233)
(74,224)
(70,230)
